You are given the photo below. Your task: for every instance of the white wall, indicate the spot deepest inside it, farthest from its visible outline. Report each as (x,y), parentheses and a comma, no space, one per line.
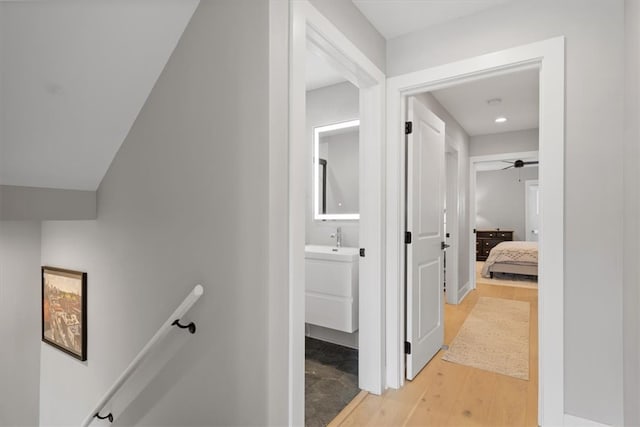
(185,201)
(632,215)
(328,105)
(353,24)
(594,72)
(500,199)
(506,142)
(457,138)
(20,328)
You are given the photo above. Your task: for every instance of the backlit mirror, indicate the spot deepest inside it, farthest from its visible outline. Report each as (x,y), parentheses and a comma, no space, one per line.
(336,171)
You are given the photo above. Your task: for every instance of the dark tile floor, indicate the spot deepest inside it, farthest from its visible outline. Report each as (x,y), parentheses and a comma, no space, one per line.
(331,380)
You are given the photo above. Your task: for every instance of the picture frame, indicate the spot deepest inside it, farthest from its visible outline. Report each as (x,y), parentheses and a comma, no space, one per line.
(64,310)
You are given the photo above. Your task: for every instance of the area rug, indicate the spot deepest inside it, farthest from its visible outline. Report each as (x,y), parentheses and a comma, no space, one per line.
(494,337)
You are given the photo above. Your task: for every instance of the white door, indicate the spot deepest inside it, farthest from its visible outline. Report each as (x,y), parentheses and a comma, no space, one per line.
(425,222)
(532,194)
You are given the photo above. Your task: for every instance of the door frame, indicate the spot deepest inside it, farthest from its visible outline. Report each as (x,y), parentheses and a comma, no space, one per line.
(473,209)
(549,57)
(453,227)
(307,25)
(527,221)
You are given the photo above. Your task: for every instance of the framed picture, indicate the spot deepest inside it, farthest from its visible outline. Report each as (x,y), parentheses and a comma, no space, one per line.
(64,310)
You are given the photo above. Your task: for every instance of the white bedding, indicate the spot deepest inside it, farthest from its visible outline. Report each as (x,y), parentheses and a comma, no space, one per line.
(515,253)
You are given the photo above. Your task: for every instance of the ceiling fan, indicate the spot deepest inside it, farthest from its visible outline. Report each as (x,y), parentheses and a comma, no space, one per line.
(519,164)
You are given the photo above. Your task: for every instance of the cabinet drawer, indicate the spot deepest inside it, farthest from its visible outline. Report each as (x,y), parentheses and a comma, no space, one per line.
(493,234)
(331,278)
(490,243)
(486,234)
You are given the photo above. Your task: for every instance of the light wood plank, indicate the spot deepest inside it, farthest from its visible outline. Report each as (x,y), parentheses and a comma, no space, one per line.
(436,404)
(448,394)
(476,399)
(346,411)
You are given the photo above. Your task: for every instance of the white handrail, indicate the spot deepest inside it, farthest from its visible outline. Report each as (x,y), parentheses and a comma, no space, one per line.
(188,302)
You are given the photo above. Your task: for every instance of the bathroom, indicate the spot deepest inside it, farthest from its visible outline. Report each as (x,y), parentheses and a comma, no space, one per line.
(332,241)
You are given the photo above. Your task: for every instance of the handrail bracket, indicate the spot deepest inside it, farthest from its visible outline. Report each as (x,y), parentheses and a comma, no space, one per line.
(191,326)
(106,417)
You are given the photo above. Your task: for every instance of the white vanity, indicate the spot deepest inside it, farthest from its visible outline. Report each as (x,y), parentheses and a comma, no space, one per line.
(331,280)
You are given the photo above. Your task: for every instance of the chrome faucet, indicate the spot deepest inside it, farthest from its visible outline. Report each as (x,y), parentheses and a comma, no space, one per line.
(338,236)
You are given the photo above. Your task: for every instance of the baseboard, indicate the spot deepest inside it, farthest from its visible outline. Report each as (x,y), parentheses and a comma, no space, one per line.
(462,293)
(333,336)
(573,421)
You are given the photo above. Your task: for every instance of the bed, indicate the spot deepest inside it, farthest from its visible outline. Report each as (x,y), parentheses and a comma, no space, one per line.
(513,258)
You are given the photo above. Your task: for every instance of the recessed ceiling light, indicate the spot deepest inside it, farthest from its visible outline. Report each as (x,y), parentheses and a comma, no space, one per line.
(501,119)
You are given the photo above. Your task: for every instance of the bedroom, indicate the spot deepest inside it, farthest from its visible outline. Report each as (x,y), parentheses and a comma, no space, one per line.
(507,213)
(491,140)
(497,119)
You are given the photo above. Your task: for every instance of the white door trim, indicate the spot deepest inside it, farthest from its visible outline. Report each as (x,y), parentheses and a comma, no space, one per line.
(453,226)
(309,25)
(527,219)
(548,55)
(473,162)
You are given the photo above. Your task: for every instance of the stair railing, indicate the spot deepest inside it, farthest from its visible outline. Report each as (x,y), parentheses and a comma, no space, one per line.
(173,320)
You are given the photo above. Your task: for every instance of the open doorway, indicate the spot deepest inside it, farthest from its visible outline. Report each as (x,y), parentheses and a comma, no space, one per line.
(488,116)
(401,90)
(331,242)
(506,212)
(335,239)
(491,327)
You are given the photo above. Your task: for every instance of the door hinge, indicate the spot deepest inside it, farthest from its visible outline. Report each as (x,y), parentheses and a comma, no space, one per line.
(408,127)
(474,231)
(362,252)
(407,237)
(407,347)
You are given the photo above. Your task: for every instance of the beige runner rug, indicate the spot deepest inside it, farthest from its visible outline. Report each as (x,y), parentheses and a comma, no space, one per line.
(495,337)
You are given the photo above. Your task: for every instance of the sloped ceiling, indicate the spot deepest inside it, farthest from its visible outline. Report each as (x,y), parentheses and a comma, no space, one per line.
(74,75)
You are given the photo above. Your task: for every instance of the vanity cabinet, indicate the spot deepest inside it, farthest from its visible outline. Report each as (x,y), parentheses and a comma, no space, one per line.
(331,287)
(488,239)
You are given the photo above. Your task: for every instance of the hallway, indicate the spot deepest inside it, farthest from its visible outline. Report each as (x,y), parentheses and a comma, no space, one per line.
(448,394)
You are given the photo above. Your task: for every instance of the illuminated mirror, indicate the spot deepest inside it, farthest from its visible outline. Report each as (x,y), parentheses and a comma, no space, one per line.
(336,171)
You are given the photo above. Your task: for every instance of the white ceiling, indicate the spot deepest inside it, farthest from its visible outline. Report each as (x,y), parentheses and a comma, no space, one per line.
(394,18)
(74,76)
(319,73)
(519,93)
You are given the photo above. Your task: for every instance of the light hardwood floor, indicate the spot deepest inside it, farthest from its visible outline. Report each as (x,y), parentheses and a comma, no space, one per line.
(448,394)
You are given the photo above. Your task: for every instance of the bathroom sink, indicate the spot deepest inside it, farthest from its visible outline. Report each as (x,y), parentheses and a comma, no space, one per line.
(333,253)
